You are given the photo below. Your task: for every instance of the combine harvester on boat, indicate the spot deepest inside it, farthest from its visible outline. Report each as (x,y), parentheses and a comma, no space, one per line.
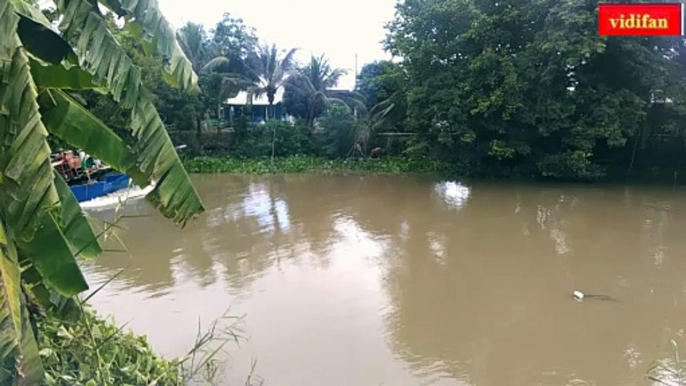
(94,184)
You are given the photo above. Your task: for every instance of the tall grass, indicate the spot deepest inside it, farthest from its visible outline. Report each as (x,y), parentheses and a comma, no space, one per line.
(94,351)
(669,371)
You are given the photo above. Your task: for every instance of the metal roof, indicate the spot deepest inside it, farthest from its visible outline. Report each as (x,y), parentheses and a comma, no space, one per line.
(242,99)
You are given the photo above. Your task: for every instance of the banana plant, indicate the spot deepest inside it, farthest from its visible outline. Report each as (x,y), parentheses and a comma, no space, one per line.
(42,228)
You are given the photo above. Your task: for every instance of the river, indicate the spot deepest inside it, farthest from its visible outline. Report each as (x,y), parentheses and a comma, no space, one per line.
(391,280)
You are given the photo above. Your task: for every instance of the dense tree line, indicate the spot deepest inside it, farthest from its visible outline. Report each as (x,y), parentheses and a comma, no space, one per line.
(528,88)
(509,88)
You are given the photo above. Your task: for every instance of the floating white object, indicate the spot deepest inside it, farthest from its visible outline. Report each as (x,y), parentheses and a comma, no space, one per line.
(578,295)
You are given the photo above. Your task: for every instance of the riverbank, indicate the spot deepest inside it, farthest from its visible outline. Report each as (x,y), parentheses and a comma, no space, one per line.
(90,350)
(303,164)
(94,351)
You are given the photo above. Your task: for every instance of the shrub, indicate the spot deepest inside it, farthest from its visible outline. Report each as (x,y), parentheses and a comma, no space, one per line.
(338,132)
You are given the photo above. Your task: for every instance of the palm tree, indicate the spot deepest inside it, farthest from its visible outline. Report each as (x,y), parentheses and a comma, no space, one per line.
(195,45)
(225,81)
(194,42)
(42,227)
(311,87)
(268,68)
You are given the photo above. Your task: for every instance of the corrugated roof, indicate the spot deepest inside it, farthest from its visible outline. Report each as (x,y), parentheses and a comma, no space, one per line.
(242,99)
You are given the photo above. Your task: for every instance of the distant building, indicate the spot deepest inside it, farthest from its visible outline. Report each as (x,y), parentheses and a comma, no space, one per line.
(256,112)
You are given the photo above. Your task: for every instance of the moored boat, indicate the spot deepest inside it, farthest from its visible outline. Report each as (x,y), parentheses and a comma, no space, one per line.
(110,183)
(87,177)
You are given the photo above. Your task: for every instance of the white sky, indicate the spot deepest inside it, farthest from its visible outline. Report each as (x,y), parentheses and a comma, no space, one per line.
(338,28)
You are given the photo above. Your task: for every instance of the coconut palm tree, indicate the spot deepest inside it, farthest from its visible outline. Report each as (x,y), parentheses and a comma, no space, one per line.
(224,79)
(268,68)
(42,227)
(310,90)
(193,40)
(219,60)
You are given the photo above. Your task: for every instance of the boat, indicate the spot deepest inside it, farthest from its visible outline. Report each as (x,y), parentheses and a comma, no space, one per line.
(109,183)
(88,183)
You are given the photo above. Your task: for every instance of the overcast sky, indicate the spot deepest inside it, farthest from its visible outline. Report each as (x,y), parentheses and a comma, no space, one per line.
(338,28)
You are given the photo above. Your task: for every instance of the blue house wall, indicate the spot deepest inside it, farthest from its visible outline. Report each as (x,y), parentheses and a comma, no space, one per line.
(255,114)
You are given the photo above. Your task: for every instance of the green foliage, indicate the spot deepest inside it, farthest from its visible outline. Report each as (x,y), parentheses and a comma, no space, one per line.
(338,132)
(378,81)
(269,67)
(94,351)
(232,38)
(308,92)
(256,140)
(42,227)
(301,164)
(525,86)
(569,165)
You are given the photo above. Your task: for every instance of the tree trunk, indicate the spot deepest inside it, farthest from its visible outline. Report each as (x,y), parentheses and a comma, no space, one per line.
(273,139)
(310,119)
(198,123)
(219,116)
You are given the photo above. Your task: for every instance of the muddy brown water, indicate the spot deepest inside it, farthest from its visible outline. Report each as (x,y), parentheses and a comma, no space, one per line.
(387,280)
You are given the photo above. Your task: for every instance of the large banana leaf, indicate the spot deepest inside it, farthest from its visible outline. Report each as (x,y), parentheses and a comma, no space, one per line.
(99,52)
(64,307)
(48,227)
(58,76)
(52,256)
(110,67)
(68,120)
(102,56)
(74,223)
(20,363)
(144,19)
(39,38)
(28,196)
(174,195)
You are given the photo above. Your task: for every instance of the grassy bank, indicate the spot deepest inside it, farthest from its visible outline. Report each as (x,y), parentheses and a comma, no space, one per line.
(93,351)
(301,164)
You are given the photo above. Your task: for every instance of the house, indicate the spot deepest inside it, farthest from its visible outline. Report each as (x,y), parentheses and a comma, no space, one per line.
(257,111)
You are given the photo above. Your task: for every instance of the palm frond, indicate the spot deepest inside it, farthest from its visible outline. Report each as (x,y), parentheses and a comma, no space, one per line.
(193,42)
(216,65)
(232,84)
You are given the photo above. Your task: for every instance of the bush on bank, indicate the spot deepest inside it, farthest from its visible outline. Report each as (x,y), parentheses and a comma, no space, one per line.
(300,164)
(94,351)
